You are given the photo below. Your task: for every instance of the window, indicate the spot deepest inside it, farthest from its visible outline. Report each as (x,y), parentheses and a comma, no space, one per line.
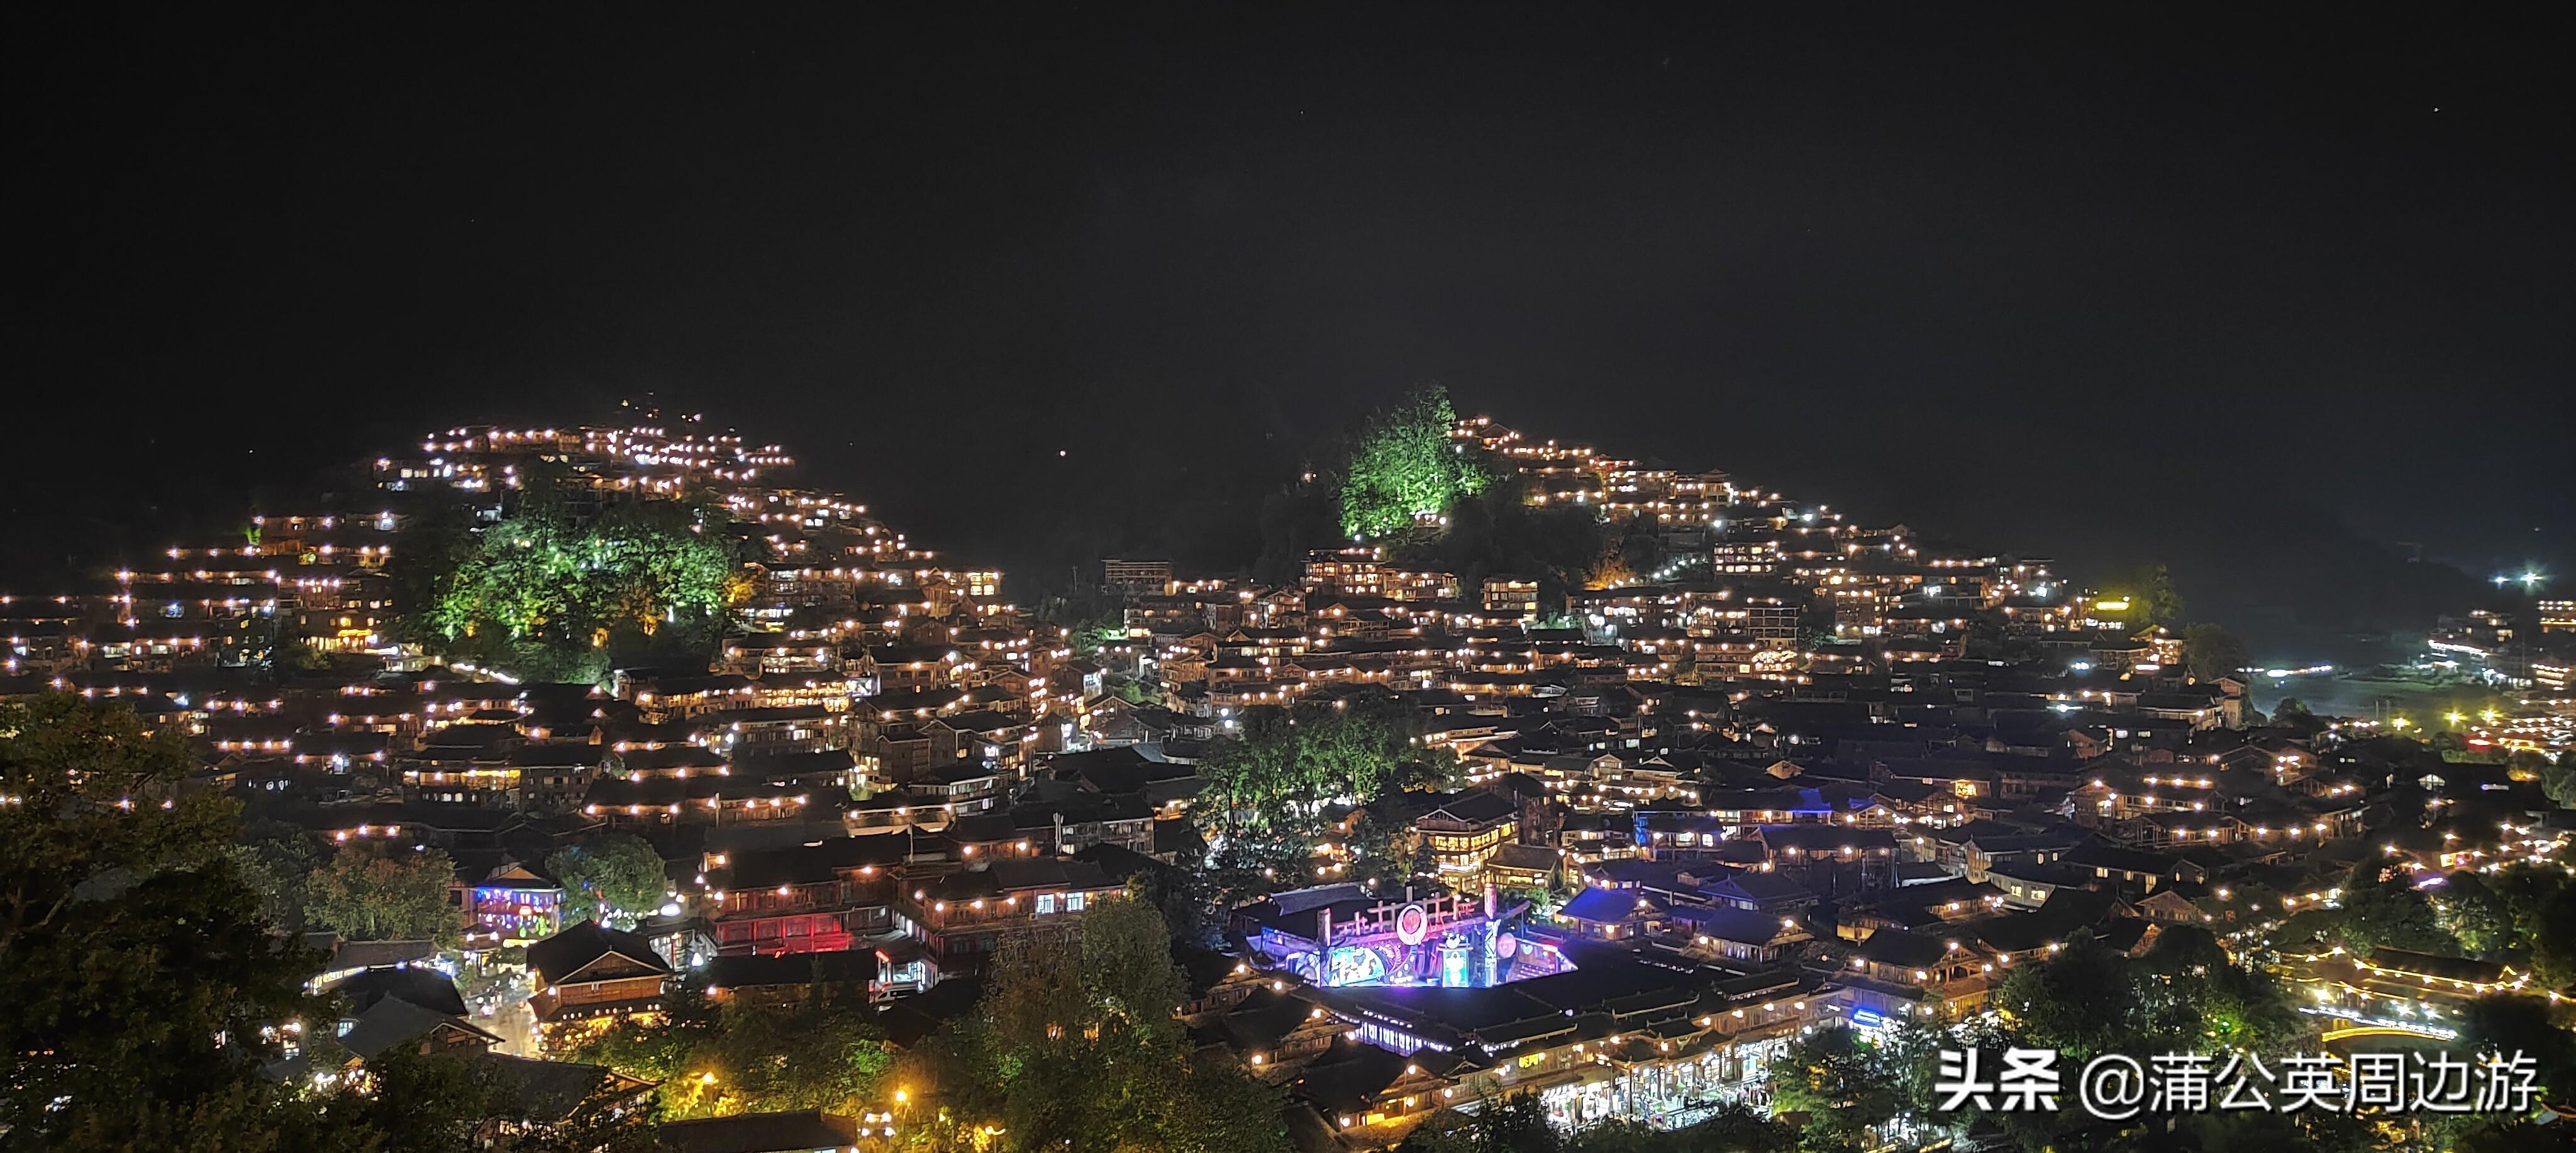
(1074,901)
(1046,903)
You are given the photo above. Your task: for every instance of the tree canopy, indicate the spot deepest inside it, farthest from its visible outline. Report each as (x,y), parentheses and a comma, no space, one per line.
(1282,765)
(2558,781)
(615,879)
(1405,467)
(137,968)
(2524,915)
(1857,1090)
(2150,594)
(2382,906)
(1075,1046)
(716,1061)
(2090,999)
(2209,652)
(545,596)
(372,893)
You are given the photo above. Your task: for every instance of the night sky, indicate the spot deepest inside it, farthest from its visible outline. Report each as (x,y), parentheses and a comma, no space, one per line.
(2144,284)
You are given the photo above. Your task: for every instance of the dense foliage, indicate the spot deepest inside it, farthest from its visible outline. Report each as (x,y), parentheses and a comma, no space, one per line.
(717,1061)
(147,989)
(2149,590)
(1075,1046)
(2209,651)
(137,968)
(1849,1089)
(433,1102)
(545,596)
(370,893)
(2524,916)
(1271,785)
(614,879)
(2382,906)
(275,860)
(1406,468)
(2182,993)
(1277,771)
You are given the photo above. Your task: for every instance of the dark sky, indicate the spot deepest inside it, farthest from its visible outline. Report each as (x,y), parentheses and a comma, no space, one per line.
(2118,285)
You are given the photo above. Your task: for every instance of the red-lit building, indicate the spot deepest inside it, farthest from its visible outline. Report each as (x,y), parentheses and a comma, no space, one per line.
(816,898)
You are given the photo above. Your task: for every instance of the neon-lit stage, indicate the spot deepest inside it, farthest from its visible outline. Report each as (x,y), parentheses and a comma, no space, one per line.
(1449,941)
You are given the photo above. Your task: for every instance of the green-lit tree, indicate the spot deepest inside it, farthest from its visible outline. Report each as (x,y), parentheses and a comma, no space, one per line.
(1186,897)
(1405,466)
(1253,775)
(1543,901)
(546,596)
(2150,592)
(2206,994)
(434,543)
(1247,866)
(1386,854)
